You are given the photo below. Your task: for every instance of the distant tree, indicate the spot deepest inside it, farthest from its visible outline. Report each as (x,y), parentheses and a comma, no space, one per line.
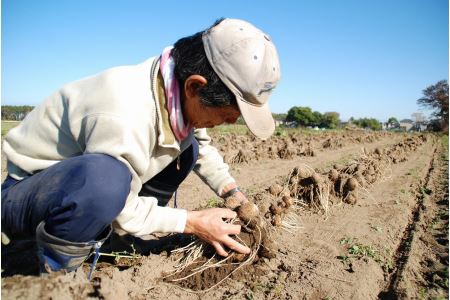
(436,98)
(279,117)
(393,122)
(330,120)
(15,113)
(303,116)
(370,123)
(317,120)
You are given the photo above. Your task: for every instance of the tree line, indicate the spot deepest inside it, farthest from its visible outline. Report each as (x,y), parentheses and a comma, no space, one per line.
(435,97)
(305,117)
(15,113)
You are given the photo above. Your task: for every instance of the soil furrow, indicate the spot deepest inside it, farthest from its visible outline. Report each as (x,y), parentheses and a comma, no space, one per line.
(403,251)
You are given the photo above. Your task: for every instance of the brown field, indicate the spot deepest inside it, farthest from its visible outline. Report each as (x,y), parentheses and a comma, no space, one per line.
(344,215)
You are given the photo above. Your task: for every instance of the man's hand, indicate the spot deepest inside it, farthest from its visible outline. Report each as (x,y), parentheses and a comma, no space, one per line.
(209,226)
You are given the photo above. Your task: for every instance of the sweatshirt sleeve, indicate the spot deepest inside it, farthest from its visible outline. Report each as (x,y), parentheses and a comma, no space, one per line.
(210,165)
(109,134)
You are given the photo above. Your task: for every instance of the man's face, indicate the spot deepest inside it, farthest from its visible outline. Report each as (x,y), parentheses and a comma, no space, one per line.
(203,116)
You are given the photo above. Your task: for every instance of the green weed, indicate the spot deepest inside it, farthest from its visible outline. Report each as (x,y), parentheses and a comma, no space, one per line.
(214,202)
(344,259)
(423,292)
(357,251)
(249,295)
(346,240)
(425,191)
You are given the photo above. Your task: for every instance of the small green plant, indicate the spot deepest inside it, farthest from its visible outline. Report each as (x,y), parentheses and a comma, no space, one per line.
(362,251)
(344,259)
(280,132)
(433,224)
(346,240)
(357,250)
(425,191)
(443,214)
(214,202)
(123,254)
(249,295)
(423,292)
(406,193)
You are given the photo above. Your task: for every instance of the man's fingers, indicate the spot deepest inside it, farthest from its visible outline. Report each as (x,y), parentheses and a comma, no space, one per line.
(228,213)
(219,249)
(232,229)
(234,245)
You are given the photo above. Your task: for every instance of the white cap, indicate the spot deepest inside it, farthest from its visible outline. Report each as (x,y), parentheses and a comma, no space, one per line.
(246,61)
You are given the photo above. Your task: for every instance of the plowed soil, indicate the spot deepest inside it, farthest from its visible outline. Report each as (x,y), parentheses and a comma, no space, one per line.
(391,244)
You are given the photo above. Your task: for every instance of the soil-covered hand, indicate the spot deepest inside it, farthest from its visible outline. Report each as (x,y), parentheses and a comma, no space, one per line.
(209,226)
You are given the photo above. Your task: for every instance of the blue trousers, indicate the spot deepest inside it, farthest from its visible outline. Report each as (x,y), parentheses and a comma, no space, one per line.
(80,196)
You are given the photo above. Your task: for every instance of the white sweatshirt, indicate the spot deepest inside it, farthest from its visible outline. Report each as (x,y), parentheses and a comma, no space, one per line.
(117,112)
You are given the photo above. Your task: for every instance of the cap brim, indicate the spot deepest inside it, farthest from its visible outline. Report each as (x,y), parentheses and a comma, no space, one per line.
(258,118)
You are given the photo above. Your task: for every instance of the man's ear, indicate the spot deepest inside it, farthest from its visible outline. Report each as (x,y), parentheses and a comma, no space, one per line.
(192,84)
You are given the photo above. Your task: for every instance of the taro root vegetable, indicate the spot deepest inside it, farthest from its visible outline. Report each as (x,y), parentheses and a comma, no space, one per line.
(282,204)
(275,209)
(239,257)
(264,207)
(248,211)
(285,193)
(316,178)
(360,178)
(232,203)
(268,249)
(276,221)
(288,201)
(303,173)
(352,183)
(359,168)
(333,175)
(351,198)
(275,189)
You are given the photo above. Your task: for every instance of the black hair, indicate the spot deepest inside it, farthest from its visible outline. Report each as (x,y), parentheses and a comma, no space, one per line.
(190,59)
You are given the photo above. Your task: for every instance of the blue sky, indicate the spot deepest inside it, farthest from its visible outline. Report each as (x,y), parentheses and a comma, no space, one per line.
(359,58)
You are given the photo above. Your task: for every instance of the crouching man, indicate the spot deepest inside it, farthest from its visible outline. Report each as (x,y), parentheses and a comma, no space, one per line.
(114,147)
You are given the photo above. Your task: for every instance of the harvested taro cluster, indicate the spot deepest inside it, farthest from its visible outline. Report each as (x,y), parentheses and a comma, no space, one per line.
(200,268)
(345,183)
